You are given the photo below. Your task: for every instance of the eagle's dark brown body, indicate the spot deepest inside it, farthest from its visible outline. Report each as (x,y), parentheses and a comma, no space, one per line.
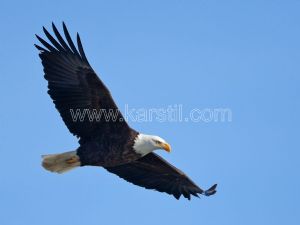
(108,150)
(74,85)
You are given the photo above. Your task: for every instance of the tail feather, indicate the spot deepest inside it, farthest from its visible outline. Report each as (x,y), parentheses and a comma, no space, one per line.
(61,163)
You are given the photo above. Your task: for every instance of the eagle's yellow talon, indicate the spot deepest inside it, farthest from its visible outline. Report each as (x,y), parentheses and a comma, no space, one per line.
(72,160)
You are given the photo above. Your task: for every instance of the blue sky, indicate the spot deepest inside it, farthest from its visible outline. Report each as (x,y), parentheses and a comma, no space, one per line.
(202,54)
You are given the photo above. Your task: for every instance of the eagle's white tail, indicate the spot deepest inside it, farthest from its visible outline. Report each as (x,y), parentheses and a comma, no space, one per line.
(61,163)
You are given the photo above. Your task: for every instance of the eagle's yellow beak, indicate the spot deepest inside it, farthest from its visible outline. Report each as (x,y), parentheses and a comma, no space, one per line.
(166,147)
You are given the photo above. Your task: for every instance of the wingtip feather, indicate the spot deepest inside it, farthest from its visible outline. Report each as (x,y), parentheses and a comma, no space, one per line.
(39,47)
(211,191)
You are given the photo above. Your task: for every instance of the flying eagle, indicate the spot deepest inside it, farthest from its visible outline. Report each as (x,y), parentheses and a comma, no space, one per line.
(109,143)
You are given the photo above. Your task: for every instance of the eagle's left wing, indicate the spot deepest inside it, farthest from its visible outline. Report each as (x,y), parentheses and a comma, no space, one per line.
(75,88)
(153,172)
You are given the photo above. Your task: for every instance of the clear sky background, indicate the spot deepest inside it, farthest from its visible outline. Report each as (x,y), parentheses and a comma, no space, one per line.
(242,55)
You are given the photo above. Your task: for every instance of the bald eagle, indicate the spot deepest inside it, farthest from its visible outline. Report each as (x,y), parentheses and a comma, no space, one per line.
(108,143)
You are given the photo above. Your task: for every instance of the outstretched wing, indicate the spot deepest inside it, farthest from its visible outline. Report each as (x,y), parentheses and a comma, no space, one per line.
(153,172)
(83,101)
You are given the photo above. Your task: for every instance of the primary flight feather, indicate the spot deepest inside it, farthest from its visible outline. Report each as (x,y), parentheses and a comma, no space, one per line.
(110,143)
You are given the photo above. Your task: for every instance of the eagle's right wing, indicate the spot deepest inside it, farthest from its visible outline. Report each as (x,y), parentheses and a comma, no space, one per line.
(153,172)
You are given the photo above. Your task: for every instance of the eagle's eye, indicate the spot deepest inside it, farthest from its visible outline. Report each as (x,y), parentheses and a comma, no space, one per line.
(157,142)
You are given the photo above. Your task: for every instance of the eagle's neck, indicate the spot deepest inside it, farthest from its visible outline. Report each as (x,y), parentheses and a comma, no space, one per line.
(143,144)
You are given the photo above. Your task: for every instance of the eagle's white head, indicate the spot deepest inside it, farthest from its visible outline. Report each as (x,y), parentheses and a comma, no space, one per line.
(145,144)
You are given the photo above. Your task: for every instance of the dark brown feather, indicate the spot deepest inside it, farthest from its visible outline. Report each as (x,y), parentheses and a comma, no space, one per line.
(153,172)
(73,85)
